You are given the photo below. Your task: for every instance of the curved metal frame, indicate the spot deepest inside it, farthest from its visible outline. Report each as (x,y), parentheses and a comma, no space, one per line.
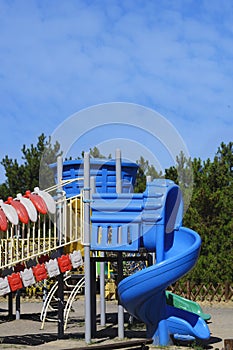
(71,298)
(48,300)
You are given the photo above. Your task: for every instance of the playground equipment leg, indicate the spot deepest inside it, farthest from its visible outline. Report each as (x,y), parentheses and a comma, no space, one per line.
(60,291)
(87,295)
(10,305)
(120,307)
(60,294)
(102,293)
(93,299)
(17,304)
(87,260)
(120,261)
(45,291)
(93,273)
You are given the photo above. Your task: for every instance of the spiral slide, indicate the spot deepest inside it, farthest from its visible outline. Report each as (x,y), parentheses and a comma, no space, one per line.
(151,221)
(143,294)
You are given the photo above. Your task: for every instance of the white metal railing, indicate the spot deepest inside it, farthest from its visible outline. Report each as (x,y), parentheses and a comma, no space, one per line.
(51,295)
(51,231)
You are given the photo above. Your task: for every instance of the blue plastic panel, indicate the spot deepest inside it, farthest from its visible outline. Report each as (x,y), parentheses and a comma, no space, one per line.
(104,172)
(148,216)
(116,221)
(117,237)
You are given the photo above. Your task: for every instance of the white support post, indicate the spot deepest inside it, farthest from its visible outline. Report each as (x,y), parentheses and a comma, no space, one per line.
(60,291)
(102,272)
(87,260)
(92,186)
(102,293)
(59,197)
(118,171)
(120,263)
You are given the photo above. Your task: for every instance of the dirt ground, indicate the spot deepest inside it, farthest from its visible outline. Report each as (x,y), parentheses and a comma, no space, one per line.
(26,332)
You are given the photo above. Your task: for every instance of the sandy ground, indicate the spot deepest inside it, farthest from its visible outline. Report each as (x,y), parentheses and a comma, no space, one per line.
(25,333)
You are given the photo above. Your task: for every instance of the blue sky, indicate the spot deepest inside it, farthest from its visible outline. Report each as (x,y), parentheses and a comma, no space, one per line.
(58,57)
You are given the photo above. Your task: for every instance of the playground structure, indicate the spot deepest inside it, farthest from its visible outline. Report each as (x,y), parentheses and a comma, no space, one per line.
(41,238)
(95,210)
(44,230)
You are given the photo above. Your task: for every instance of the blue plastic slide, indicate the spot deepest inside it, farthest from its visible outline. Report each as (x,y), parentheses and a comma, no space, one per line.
(143,294)
(151,220)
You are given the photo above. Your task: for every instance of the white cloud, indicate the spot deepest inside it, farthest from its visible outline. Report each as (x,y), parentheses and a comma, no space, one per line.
(58,57)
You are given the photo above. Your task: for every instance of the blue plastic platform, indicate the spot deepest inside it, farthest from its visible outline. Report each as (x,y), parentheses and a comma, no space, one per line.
(104,171)
(126,222)
(116,221)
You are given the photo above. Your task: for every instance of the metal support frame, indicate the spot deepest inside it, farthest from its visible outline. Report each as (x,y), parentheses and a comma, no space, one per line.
(102,272)
(60,279)
(93,298)
(17,305)
(60,296)
(102,293)
(10,305)
(120,261)
(87,261)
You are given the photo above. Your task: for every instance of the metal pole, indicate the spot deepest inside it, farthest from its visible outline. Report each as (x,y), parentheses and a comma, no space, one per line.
(10,305)
(92,186)
(118,171)
(17,305)
(120,261)
(93,273)
(60,279)
(93,298)
(45,291)
(59,171)
(59,198)
(102,292)
(60,296)
(87,261)
(102,272)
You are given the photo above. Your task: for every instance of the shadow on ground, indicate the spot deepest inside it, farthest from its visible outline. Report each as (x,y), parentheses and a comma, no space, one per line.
(102,333)
(110,331)
(36,339)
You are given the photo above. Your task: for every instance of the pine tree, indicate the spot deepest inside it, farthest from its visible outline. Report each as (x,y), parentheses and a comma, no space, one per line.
(210,214)
(144,170)
(34,166)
